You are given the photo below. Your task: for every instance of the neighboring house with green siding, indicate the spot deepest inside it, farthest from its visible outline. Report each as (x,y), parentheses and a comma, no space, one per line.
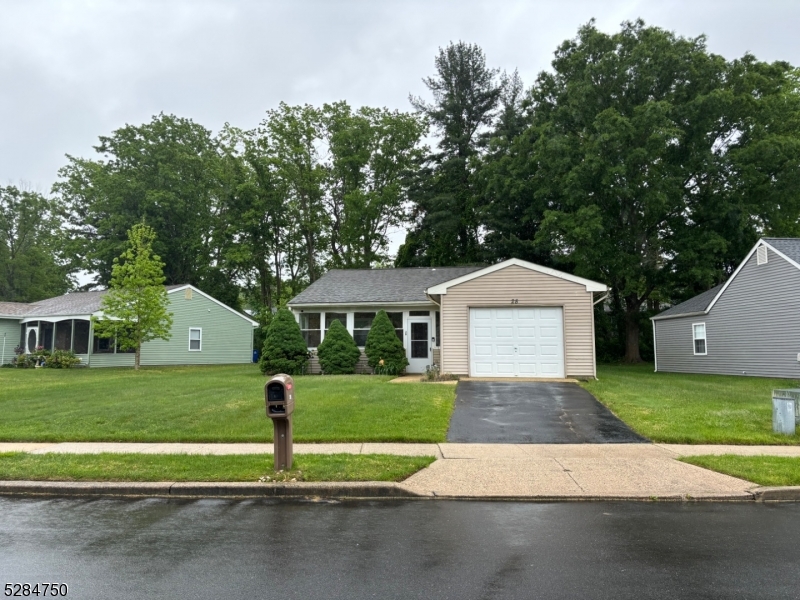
(204,330)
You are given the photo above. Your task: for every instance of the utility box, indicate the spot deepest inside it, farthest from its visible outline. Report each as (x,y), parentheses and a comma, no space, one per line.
(785,411)
(279,400)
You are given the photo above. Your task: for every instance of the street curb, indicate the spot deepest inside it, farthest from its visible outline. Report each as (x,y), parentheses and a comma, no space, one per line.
(193,489)
(344,490)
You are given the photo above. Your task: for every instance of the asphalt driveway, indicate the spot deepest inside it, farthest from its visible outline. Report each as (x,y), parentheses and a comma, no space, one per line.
(533,413)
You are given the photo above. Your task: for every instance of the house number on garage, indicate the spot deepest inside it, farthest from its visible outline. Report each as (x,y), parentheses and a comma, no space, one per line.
(514,301)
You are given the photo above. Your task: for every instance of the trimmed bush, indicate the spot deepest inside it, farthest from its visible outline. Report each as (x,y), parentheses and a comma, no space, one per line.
(385,352)
(338,353)
(62,359)
(284,349)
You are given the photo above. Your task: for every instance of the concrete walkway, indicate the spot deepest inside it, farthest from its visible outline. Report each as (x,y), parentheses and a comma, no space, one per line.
(578,471)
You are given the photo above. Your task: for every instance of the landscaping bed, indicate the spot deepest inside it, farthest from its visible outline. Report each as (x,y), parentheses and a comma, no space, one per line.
(212,404)
(691,409)
(763,470)
(194,467)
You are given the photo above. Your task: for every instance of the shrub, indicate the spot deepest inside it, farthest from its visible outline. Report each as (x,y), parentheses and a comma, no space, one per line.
(62,359)
(338,353)
(284,349)
(31,360)
(385,352)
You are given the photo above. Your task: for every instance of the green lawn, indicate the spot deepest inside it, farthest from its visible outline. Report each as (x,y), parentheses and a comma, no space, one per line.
(763,470)
(213,404)
(192,467)
(691,409)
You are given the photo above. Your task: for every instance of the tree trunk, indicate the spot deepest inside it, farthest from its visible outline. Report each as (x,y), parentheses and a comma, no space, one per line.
(136,357)
(632,331)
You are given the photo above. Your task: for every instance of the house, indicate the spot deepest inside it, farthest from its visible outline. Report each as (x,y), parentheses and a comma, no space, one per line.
(750,325)
(204,331)
(512,319)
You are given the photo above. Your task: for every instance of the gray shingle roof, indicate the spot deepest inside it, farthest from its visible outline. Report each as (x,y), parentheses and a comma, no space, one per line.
(353,286)
(788,246)
(74,303)
(693,305)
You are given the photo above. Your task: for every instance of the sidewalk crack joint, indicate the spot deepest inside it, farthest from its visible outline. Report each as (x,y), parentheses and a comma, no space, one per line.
(569,473)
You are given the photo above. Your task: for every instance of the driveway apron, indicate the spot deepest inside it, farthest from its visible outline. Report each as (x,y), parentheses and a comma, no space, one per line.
(533,413)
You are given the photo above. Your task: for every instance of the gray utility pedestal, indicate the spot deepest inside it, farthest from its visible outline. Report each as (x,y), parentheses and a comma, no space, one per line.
(785,411)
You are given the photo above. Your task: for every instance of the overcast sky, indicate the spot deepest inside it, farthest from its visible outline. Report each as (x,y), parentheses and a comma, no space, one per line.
(71,71)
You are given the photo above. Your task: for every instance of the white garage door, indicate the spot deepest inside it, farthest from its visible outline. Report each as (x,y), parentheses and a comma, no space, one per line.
(516,342)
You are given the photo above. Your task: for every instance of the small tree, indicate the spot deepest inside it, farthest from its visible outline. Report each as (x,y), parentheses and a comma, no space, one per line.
(338,353)
(285,350)
(135,307)
(385,352)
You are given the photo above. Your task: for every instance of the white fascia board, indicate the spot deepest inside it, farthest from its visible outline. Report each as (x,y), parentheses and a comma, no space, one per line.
(591,286)
(215,301)
(360,304)
(55,318)
(739,268)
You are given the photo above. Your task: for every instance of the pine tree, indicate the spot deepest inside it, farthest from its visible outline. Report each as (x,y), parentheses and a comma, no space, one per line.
(338,353)
(285,350)
(385,352)
(135,307)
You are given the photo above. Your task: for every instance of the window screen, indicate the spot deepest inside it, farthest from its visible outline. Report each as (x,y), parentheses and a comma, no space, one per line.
(310,326)
(397,320)
(699,338)
(195,339)
(362,321)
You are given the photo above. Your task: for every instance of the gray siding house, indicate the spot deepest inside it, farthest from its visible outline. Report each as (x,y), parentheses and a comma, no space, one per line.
(511,319)
(750,325)
(204,331)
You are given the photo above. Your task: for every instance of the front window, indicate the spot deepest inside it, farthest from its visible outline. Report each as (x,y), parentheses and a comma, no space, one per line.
(103,345)
(397,320)
(195,339)
(699,338)
(64,335)
(80,341)
(362,322)
(310,326)
(330,317)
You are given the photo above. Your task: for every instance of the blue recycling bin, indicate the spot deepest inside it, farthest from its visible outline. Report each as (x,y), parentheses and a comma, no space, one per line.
(255,356)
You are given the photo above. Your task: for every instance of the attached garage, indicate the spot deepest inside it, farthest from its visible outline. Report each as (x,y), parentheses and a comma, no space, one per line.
(516,342)
(518,319)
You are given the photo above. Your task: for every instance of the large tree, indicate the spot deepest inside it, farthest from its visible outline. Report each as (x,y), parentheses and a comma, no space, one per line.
(165,172)
(135,308)
(466,93)
(651,164)
(33,261)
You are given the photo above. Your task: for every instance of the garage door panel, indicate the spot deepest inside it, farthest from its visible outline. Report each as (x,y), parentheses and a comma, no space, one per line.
(517,342)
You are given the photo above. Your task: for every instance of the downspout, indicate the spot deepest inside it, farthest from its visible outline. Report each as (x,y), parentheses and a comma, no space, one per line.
(3,359)
(594,337)
(655,351)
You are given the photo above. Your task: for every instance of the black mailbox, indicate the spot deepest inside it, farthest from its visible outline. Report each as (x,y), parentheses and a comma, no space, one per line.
(279,395)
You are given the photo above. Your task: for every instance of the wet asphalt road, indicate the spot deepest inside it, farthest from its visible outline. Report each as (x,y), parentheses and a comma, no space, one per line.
(418,549)
(533,413)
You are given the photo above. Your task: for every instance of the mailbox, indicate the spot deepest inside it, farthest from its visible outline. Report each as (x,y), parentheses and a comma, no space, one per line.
(279,398)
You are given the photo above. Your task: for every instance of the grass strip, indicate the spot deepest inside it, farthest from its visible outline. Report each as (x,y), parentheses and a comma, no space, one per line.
(763,470)
(196,467)
(682,408)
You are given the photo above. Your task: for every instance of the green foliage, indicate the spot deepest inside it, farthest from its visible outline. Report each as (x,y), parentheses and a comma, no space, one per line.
(37,358)
(135,306)
(338,353)
(33,264)
(285,350)
(384,350)
(447,221)
(62,359)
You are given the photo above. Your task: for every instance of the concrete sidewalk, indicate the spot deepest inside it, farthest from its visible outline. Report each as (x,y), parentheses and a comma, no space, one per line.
(519,471)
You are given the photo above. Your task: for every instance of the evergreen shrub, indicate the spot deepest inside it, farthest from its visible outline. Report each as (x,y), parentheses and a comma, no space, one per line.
(284,349)
(384,350)
(338,353)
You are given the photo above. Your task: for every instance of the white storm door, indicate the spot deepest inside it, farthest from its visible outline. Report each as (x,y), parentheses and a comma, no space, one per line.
(516,342)
(419,351)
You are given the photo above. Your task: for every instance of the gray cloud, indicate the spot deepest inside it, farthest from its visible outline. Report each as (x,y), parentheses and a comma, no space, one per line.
(71,71)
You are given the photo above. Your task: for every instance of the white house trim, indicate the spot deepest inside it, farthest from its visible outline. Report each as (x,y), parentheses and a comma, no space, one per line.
(591,286)
(704,338)
(360,304)
(225,306)
(200,329)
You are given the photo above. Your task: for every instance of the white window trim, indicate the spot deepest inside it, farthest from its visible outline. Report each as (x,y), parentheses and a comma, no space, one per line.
(191,329)
(704,338)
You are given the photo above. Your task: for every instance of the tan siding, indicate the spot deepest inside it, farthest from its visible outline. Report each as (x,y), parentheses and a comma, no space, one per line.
(362,368)
(531,289)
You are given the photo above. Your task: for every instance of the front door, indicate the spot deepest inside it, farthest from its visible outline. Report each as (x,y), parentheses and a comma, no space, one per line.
(32,339)
(419,344)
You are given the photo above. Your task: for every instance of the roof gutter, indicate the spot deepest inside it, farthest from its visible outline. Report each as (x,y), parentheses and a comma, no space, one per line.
(690,314)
